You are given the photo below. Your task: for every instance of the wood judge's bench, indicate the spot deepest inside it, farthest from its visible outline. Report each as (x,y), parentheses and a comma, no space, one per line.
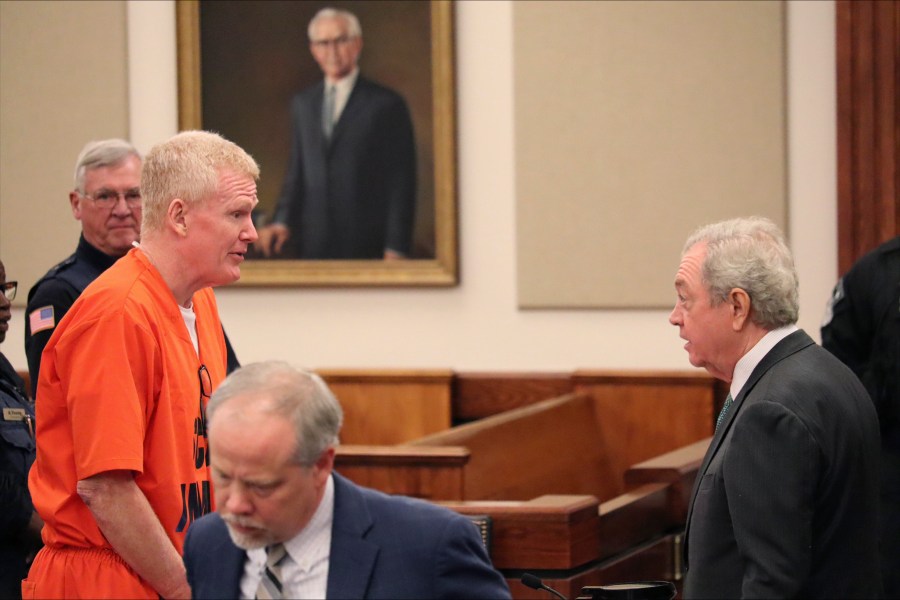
(584,476)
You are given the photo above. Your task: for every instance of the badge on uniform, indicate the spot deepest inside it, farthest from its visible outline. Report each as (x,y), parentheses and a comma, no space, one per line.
(42,318)
(14,414)
(836,296)
(19,414)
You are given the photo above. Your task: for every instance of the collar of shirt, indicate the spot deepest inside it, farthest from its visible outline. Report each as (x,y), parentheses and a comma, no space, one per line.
(305,575)
(748,362)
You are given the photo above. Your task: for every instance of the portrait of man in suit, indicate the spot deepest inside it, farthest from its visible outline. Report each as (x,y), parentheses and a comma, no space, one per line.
(349,189)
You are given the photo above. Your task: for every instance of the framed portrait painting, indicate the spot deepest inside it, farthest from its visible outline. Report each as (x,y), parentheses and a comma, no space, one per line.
(365,199)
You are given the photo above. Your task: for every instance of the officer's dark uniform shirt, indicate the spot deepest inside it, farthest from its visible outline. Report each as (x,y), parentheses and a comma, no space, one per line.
(17,452)
(862,328)
(55,293)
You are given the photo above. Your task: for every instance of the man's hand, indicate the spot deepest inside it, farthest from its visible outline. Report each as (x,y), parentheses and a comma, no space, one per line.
(272,238)
(393,255)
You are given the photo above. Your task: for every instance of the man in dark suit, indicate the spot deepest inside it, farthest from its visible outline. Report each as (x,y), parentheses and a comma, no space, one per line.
(288,526)
(862,328)
(786,500)
(349,190)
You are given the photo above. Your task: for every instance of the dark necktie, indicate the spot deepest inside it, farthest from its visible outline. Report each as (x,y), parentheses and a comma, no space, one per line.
(270,586)
(328,112)
(724,411)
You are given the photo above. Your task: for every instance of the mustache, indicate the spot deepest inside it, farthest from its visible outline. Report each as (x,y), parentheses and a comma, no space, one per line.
(241,521)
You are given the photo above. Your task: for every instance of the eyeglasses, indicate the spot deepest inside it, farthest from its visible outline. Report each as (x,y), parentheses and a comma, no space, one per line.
(335,42)
(205,392)
(107,198)
(8,289)
(201,454)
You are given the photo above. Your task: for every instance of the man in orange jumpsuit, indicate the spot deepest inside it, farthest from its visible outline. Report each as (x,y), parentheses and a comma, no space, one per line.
(122,466)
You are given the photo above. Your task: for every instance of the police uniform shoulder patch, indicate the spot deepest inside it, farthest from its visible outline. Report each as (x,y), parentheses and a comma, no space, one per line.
(836,296)
(41,319)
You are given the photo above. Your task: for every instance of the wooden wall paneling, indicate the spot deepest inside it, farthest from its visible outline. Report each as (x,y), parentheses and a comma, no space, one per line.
(868,126)
(546,532)
(391,407)
(678,469)
(432,473)
(549,446)
(634,517)
(480,395)
(642,415)
(653,561)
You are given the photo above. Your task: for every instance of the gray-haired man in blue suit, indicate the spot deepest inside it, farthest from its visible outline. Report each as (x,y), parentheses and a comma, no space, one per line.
(287,526)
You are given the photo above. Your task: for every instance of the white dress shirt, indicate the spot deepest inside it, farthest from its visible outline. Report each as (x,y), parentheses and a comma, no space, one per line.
(304,571)
(744,367)
(342,89)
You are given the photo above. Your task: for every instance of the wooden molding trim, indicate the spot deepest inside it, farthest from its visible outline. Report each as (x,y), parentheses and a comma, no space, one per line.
(868,126)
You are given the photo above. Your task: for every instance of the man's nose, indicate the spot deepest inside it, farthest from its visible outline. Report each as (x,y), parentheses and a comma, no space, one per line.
(674,317)
(250,234)
(121,206)
(236,502)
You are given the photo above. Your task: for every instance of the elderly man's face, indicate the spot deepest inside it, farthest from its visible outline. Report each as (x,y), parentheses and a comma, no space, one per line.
(263,496)
(334,49)
(707,329)
(110,208)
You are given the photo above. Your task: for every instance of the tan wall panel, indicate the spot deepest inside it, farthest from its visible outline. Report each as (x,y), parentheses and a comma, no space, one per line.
(63,82)
(635,123)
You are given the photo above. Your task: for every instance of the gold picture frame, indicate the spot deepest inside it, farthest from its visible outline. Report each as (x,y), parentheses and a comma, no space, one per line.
(433,108)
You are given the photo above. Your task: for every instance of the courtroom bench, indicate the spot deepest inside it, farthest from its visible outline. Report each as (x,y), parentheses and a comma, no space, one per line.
(559,446)
(548,447)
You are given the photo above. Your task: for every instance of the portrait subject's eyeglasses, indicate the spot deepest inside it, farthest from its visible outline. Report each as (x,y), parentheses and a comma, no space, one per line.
(335,42)
(8,289)
(108,198)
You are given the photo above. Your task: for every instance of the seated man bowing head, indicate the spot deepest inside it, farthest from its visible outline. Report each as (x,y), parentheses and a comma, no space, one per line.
(288,526)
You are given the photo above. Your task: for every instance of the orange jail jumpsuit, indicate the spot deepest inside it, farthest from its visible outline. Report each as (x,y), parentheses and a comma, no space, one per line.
(119,390)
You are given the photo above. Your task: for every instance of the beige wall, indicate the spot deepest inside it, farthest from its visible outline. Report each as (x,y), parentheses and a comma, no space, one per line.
(478,325)
(63,81)
(635,121)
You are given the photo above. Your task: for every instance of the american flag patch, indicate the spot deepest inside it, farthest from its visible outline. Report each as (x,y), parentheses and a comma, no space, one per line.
(41,319)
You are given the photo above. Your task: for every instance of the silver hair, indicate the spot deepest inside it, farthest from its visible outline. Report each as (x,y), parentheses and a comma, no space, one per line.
(353,27)
(297,395)
(101,153)
(750,254)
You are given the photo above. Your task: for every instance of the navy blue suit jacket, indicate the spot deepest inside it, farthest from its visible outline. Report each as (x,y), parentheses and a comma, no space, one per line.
(786,500)
(354,196)
(381,547)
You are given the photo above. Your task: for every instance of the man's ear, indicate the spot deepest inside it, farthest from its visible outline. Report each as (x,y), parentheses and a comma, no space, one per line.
(324,465)
(175,216)
(75,202)
(739,301)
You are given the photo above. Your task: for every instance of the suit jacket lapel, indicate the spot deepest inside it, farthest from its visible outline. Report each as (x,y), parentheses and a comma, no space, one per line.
(355,103)
(789,345)
(229,564)
(352,557)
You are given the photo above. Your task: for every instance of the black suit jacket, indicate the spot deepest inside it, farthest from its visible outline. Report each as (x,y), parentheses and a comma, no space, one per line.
(381,547)
(786,501)
(352,197)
